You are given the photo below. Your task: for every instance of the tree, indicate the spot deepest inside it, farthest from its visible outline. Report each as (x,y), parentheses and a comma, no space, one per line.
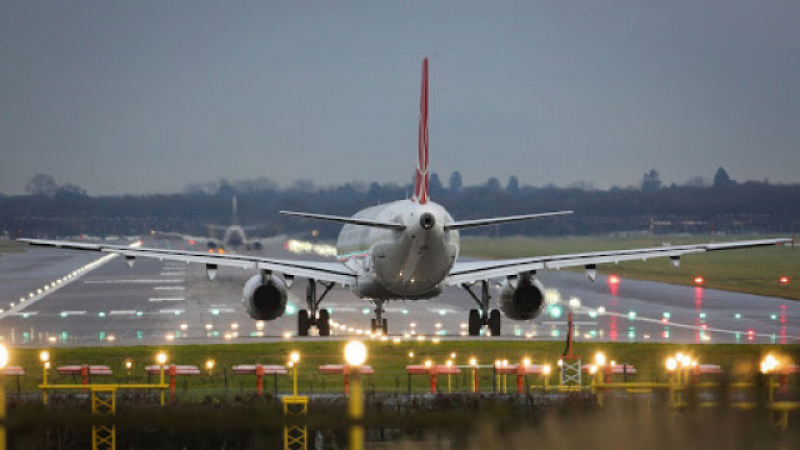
(493,184)
(513,185)
(43,185)
(434,185)
(456,183)
(722,179)
(651,181)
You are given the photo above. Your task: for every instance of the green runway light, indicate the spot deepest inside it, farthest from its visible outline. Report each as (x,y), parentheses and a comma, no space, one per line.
(702,315)
(737,316)
(773,338)
(738,336)
(177,335)
(555,311)
(555,333)
(139,314)
(773,316)
(632,315)
(102,335)
(667,315)
(593,314)
(593,333)
(442,312)
(139,335)
(64,336)
(365,311)
(405,312)
(101,314)
(25,315)
(63,314)
(215,312)
(177,312)
(290,309)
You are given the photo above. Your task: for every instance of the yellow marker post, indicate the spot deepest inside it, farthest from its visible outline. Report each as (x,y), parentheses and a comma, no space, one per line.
(44,356)
(355,353)
(3,362)
(161,358)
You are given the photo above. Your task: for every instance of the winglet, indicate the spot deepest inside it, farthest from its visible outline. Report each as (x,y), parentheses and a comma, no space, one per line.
(421,175)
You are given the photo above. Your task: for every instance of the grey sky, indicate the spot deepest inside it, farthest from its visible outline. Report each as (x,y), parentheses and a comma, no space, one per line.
(147,96)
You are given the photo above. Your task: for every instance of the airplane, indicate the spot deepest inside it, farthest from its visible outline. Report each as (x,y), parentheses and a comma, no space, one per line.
(233,235)
(405,250)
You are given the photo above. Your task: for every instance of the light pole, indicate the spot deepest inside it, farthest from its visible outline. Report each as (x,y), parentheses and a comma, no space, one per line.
(44,356)
(474,363)
(3,362)
(294,358)
(161,359)
(355,353)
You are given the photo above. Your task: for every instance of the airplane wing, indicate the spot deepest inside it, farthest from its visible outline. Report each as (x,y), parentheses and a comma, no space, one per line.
(318,270)
(468,272)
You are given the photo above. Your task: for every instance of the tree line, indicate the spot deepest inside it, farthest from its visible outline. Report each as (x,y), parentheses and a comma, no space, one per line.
(724,206)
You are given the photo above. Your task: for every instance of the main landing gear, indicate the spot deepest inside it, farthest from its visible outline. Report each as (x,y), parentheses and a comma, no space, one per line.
(483,316)
(314,316)
(379,323)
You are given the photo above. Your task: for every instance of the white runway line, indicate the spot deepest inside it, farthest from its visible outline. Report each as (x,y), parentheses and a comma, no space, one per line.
(172,274)
(124,312)
(166,299)
(73,313)
(169,288)
(171,311)
(140,281)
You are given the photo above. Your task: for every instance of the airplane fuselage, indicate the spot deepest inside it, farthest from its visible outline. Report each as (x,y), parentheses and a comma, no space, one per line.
(391,264)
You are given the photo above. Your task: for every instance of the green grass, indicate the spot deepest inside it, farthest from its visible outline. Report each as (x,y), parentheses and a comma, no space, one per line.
(752,271)
(9,246)
(388,360)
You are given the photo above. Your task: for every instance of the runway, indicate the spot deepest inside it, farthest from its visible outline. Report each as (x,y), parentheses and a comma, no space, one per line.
(158,302)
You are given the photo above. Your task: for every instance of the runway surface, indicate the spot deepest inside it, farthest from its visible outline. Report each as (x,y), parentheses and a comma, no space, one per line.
(168,302)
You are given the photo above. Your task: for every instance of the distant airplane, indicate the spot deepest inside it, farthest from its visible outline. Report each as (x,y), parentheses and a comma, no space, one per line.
(233,235)
(405,250)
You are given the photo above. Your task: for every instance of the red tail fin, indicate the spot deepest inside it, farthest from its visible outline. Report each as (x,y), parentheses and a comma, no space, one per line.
(421,177)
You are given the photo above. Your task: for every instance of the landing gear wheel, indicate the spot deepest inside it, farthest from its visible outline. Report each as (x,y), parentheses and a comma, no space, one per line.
(372,326)
(494,322)
(385,327)
(474,322)
(324,322)
(303,323)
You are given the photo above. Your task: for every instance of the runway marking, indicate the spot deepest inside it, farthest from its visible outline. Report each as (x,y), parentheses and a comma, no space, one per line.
(73,313)
(172,274)
(166,299)
(564,323)
(171,311)
(170,288)
(24,314)
(219,310)
(134,281)
(124,312)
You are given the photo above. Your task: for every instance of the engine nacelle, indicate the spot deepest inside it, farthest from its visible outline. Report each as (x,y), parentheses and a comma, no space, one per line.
(522,298)
(264,297)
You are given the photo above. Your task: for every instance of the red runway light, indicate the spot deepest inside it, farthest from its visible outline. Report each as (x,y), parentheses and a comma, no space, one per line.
(699,280)
(191,242)
(613,279)
(784,280)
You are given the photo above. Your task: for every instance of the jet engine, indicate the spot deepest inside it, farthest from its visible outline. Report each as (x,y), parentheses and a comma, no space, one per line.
(264,297)
(521,298)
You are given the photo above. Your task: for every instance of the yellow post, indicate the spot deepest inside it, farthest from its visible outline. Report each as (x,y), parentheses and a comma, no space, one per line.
(356,407)
(2,415)
(45,366)
(294,373)
(161,382)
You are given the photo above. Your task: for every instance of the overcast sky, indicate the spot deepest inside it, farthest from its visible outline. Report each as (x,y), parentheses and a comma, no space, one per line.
(147,96)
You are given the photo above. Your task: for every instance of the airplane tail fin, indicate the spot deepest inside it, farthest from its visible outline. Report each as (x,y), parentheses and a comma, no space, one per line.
(421,176)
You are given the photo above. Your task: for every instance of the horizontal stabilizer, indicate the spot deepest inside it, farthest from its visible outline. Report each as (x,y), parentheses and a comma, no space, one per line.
(350,220)
(497,220)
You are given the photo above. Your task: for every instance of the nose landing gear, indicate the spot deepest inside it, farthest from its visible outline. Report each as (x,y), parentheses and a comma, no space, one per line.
(379,323)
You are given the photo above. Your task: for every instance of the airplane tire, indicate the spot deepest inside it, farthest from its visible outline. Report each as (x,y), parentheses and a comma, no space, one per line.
(385,327)
(303,323)
(372,326)
(494,322)
(474,322)
(323,323)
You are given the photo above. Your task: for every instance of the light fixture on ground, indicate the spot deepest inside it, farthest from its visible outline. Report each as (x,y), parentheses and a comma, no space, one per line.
(355,353)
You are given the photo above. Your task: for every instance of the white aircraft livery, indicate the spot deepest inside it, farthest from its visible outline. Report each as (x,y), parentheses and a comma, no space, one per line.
(404,250)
